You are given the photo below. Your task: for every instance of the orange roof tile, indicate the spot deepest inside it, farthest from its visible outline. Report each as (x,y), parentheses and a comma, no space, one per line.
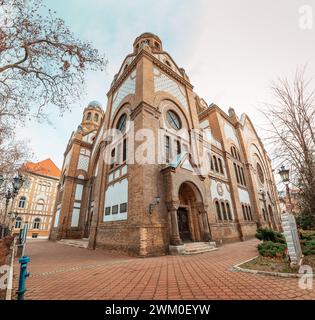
(45,167)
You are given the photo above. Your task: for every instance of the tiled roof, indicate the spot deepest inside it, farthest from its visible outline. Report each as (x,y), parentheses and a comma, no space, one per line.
(45,167)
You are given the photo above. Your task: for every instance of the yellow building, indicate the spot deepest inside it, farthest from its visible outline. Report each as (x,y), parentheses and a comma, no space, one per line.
(35,201)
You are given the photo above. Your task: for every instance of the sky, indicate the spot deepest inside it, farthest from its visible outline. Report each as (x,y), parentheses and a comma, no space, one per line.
(231,50)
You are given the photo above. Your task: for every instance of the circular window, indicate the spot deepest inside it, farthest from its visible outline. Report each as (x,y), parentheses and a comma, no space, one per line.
(173,120)
(121,125)
(260,173)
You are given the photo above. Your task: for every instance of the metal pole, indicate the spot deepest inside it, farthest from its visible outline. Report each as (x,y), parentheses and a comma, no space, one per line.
(23,275)
(288,196)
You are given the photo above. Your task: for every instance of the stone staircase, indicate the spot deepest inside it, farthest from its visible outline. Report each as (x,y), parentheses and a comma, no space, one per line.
(191,248)
(79,243)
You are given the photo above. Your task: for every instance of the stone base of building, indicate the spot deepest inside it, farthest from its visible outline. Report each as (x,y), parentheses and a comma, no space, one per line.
(132,240)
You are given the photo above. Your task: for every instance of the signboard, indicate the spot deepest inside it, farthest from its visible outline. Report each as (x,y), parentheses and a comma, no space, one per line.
(291,235)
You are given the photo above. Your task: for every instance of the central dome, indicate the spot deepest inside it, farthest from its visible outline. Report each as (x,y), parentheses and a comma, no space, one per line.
(95,104)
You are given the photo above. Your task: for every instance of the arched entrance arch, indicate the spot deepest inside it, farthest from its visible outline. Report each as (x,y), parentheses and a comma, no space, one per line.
(189,217)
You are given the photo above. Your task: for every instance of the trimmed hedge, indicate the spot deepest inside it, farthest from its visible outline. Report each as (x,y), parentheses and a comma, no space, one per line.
(272,249)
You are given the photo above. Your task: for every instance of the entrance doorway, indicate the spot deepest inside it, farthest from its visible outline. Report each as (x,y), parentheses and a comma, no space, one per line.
(183,224)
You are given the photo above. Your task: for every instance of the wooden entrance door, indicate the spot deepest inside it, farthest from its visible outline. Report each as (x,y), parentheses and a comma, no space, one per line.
(183,225)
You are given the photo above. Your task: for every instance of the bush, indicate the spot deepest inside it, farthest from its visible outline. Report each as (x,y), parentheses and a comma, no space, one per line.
(305,220)
(307,235)
(272,249)
(269,235)
(308,247)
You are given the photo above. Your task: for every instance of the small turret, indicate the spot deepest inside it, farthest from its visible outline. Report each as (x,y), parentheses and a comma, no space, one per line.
(149,40)
(92,115)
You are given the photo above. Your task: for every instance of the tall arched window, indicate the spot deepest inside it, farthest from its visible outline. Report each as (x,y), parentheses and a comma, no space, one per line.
(247,213)
(40,205)
(88,116)
(220,166)
(36,223)
(228,209)
(223,210)
(250,213)
(22,202)
(217,205)
(215,161)
(243,176)
(112,158)
(96,117)
(18,223)
(260,173)
(236,173)
(121,124)
(244,213)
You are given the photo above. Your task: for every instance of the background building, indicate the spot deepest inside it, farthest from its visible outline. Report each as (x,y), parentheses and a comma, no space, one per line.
(146,209)
(35,201)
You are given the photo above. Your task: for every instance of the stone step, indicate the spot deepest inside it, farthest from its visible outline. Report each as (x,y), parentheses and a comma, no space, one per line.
(79,243)
(198,247)
(198,251)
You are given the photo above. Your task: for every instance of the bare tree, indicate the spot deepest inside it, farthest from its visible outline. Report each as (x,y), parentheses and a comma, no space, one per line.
(291,133)
(13,154)
(41,61)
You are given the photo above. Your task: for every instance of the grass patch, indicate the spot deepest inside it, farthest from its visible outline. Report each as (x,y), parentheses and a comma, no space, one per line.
(280,265)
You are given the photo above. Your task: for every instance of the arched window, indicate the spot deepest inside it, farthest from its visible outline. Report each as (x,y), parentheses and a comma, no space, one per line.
(36,223)
(125,150)
(22,202)
(223,210)
(260,173)
(215,161)
(96,117)
(173,120)
(18,223)
(112,158)
(121,124)
(178,147)
(217,205)
(244,213)
(250,213)
(228,209)
(236,173)
(247,213)
(233,151)
(40,205)
(243,176)
(220,166)
(88,116)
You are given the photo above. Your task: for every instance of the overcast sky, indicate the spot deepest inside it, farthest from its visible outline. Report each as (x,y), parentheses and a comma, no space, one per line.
(231,50)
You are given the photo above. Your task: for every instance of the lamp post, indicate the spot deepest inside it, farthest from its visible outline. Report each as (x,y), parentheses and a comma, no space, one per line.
(285,177)
(10,194)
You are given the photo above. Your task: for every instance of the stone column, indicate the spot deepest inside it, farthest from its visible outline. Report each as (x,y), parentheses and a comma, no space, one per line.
(172,208)
(204,217)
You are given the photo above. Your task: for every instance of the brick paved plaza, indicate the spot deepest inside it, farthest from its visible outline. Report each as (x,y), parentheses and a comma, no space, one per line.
(63,272)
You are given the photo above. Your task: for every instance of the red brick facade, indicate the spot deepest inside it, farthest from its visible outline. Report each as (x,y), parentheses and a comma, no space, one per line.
(142,207)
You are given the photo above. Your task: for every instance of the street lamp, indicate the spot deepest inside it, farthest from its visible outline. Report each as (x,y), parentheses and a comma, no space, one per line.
(285,177)
(17,183)
(11,194)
